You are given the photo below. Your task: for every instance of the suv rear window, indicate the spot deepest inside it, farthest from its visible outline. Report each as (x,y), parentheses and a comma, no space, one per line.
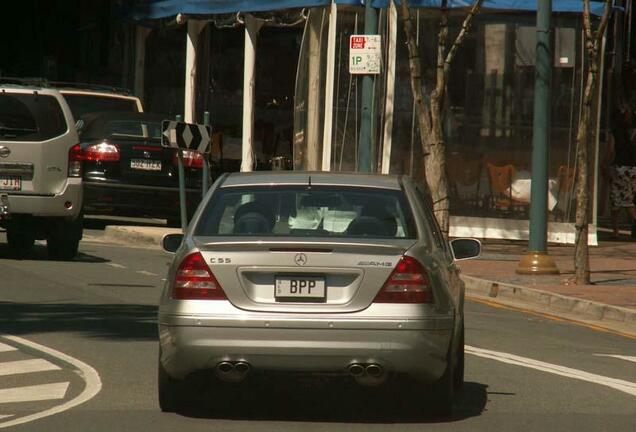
(30,117)
(296,211)
(85,104)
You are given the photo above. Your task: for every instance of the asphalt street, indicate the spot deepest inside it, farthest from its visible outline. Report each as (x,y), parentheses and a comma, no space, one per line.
(89,327)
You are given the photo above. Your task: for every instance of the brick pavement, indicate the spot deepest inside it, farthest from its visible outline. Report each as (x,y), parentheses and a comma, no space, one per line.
(612,264)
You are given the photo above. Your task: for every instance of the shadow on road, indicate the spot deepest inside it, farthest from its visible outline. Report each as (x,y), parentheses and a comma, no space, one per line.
(326,401)
(110,321)
(39,253)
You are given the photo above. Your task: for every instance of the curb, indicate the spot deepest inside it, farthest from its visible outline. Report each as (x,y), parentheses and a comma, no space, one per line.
(137,236)
(611,317)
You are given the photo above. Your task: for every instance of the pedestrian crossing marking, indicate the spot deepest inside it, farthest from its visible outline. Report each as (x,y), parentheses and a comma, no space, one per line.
(34,393)
(26,366)
(618,356)
(6,348)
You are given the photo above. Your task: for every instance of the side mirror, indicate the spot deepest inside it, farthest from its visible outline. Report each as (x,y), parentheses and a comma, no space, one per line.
(465,248)
(171,242)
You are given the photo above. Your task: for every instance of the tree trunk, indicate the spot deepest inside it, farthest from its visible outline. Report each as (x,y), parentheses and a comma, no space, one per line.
(422,110)
(436,174)
(581,247)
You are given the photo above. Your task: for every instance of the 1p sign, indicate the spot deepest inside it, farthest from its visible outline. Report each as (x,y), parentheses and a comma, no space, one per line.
(365,54)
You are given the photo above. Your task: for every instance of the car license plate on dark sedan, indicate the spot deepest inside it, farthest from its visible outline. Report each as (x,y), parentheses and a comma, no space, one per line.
(300,289)
(10,183)
(145,164)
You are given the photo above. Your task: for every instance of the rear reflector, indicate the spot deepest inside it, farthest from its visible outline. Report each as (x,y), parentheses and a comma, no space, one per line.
(195,281)
(408,283)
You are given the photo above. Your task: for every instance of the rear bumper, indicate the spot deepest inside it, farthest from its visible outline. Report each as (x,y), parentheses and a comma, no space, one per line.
(416,348)
(49,205)
(136,200)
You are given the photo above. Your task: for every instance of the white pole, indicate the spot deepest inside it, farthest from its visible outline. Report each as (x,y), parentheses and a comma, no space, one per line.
(140,60)
(252,26)
(390,90)
(329,88)
(192,43)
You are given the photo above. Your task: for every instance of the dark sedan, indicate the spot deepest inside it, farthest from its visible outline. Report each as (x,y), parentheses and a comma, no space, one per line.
(128,173)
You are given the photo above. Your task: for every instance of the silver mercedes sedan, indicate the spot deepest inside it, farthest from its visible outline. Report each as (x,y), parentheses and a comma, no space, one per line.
(314,272)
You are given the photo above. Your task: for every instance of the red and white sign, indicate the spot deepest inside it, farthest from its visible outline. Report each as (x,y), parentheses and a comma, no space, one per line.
(365,54)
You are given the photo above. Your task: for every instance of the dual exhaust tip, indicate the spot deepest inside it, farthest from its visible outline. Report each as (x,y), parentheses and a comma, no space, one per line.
(232,371)
(359,370)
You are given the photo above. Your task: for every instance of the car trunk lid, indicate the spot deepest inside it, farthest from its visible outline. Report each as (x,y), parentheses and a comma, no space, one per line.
(302,276)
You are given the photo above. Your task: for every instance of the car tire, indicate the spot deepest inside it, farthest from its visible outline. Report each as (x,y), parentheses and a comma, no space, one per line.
(458,374)
(169,390)
(20,239)
(63,240)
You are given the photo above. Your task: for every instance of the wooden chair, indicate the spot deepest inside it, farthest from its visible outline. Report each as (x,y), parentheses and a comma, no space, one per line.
(501,199)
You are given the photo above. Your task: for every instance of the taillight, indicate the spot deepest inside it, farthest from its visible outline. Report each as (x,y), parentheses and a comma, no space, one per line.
(408,283)
(75,157)
(102,152)
(195,281)
(191,159)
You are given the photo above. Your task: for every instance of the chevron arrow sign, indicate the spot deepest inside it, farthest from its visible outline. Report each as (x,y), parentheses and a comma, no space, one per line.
(189,136)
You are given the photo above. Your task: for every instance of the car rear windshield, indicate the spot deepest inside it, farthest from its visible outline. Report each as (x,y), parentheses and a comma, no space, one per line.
(121,128)
(30,117)
(85,104)
(298,211)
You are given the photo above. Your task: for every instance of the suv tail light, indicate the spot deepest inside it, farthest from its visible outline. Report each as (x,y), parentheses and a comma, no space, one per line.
(191,159)
(195,281)
(408,283)
(102,152)
(75,157)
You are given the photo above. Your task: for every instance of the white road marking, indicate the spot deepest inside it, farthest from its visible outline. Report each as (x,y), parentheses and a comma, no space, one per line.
(621,385)
(119,266)
(147,273)
(6,348)
(86,372)
(34,393)
(622,357)
(5,415)
(26,366)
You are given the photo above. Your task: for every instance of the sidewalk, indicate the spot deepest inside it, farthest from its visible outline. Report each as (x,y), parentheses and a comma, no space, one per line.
(610,302)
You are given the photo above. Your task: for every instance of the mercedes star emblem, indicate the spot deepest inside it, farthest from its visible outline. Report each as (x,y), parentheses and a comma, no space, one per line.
(300,259)
(4,152)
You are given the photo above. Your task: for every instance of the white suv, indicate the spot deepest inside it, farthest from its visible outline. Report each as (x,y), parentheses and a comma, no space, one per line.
(40,171)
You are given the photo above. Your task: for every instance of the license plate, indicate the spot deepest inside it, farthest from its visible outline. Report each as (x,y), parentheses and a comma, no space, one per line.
(10,183)
(300,289)
(145,164)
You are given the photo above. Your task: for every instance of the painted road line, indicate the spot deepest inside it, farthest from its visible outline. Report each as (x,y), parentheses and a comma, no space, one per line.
(7,348)
(26,366)
(621,385)
(34,393)
(119,266)
(621,357)
(5,416)
(147,273)
(86,372)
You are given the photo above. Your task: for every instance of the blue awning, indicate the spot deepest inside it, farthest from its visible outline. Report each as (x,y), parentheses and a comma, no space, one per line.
(157,9)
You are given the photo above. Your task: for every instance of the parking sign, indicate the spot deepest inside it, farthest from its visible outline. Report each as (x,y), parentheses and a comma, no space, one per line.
(365,54)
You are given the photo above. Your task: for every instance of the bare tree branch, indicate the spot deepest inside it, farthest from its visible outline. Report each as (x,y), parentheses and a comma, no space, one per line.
(464,31)
(600,30)
(416,73)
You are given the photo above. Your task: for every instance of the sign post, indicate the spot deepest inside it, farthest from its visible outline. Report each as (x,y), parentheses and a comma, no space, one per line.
(205,172)
(185,136)
(366,58)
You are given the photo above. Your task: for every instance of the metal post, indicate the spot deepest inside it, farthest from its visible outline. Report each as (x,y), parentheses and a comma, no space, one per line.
(182,191)
(367,135)
(537,260)
(206,160)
